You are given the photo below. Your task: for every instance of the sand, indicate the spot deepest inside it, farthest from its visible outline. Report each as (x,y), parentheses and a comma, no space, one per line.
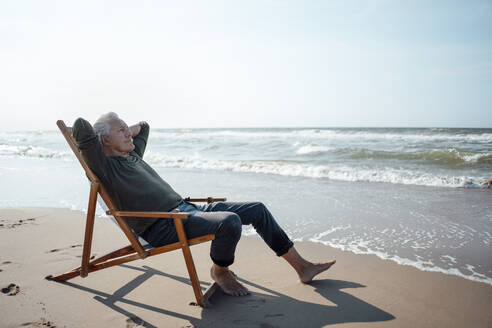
(359,291)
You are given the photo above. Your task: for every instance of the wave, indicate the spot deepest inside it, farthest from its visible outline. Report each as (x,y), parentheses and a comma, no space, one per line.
(313,149)
(475,136)
(33,151)
(341,173)
(405,135)
(449,156)
(437,156)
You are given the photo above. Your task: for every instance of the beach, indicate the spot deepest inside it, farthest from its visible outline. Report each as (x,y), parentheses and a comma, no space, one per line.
(359,291)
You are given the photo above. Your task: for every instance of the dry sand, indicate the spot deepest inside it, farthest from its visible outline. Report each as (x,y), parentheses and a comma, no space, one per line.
(359,291)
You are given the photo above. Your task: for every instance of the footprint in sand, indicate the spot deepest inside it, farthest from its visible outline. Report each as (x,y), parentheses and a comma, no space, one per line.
(16,224)
(92,257)
(54,250)
(3,263)
(11,290)
(41,323)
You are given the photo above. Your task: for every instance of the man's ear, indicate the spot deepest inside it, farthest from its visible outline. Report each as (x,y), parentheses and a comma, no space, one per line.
(104,140)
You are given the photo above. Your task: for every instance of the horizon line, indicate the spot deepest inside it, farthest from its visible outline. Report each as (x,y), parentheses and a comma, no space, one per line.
(285,127)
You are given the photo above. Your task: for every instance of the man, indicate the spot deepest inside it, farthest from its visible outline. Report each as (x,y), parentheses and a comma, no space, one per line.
(114,152)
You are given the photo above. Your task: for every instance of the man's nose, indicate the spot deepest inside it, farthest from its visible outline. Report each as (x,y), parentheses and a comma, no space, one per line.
(128,133)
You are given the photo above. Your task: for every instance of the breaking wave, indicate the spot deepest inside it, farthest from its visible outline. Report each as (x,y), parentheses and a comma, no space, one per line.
(408,135)
(437,156)
(33,151)
(342,173)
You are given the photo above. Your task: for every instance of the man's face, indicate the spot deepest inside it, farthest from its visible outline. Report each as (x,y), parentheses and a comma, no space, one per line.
(120,138)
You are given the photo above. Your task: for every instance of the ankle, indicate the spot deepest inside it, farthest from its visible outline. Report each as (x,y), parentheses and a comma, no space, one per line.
(298,263)
(304,266)
(217,269)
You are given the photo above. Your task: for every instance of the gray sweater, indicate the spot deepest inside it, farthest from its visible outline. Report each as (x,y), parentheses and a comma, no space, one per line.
(130,182)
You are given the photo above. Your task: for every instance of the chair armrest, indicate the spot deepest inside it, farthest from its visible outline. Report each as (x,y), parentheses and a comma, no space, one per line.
(156,215)
(208,199)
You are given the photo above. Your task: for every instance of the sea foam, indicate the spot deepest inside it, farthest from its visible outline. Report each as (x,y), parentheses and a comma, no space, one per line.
(338,172)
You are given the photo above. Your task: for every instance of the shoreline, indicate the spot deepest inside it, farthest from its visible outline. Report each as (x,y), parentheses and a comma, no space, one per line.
(404,262)
(359,291)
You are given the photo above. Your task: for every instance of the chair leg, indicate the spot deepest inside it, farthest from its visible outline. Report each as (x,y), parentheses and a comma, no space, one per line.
(210,291)
(77,271)
(89,228)
(190,265)
(64,276)
(195,282)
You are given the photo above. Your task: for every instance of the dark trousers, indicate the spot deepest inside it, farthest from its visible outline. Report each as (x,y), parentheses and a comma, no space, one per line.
(225,220)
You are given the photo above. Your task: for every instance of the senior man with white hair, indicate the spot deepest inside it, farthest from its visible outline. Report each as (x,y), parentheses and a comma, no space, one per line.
(115,152)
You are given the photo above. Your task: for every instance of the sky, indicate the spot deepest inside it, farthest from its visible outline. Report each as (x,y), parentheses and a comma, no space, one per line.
(199,64)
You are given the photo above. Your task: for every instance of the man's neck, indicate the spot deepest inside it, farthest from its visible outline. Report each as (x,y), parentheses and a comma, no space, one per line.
(114,153)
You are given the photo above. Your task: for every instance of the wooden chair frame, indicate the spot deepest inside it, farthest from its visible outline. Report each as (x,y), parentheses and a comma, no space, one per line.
(135,250)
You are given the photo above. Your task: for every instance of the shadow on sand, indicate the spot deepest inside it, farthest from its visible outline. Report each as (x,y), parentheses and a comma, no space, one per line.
(264,309)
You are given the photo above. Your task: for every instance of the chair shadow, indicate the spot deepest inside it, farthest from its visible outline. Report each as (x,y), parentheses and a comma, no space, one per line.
(260,309)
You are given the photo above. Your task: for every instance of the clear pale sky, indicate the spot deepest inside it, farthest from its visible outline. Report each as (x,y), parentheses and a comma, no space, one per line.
(247,63)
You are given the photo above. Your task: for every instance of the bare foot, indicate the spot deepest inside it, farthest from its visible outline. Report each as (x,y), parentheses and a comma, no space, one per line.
(305,269)
(313,269)
(226,280)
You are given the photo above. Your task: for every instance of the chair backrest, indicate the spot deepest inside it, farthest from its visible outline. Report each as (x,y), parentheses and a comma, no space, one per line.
(88,172)
(97,185)
(71,142)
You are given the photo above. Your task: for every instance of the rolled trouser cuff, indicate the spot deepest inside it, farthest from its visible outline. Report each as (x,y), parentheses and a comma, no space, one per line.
(285,249)
(222,263)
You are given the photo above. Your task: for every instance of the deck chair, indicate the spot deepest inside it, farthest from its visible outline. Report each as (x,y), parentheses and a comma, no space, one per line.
(135,250)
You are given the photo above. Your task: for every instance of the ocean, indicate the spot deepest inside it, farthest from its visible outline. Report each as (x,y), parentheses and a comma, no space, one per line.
(416,196)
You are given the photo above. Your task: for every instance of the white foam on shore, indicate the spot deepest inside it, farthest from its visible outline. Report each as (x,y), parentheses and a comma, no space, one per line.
(361,247)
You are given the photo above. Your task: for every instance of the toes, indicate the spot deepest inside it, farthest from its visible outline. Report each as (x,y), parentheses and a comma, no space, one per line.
(228,283)
(238,291)
(331,263)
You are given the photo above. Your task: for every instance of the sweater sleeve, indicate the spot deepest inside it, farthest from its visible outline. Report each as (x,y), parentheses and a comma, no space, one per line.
(90,146)
(140,141)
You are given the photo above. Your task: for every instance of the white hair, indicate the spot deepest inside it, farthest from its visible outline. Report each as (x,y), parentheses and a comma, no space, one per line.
(102,125)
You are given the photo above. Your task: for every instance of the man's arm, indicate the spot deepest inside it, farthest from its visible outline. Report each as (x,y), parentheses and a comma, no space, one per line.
(140,139)
(135,129)
(90,146)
